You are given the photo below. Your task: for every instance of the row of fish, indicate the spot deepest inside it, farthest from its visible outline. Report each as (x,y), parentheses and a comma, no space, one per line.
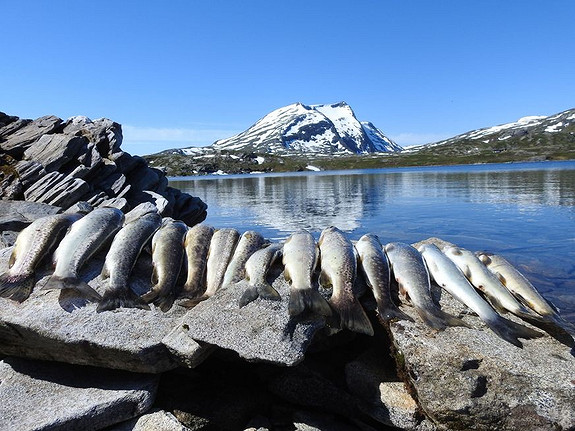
(216,258)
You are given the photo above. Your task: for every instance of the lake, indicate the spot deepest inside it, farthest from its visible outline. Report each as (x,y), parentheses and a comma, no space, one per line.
(523,211)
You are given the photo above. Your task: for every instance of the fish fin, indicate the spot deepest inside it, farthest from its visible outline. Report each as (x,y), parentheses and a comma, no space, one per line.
(105,274)
(266,291)
(324,280)
(511,331)
(17,287)
(287,275)
(249,295)
(391,312)
(121,298)
(438,319)
(72,283)
(351,314)
(467,272)
(501,278)
(192,302)
(12,258)
(307,299)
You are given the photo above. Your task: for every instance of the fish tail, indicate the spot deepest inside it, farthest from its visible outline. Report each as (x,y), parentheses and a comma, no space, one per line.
(438,319)
(511,331)
(151,295)
(192,302)
(192,290)
(264,291)
(557,320)
(390,312)
(125,298)
(72,283)
(17,287)
(307,299)
(164,303)
(351,314)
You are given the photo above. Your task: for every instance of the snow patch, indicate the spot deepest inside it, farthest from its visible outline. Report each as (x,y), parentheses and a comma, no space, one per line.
(312,168)
(554,128)
(260,160)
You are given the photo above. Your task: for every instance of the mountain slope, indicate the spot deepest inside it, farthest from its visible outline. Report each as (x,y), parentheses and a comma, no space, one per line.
(318,129)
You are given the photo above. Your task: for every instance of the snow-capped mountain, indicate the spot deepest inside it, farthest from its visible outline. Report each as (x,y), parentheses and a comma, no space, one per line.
(526,128)
(300,128)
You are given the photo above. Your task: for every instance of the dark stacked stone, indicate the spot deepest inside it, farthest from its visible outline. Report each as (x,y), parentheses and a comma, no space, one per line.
(58,162)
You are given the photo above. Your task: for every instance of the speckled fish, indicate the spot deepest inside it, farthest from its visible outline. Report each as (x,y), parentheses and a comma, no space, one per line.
(222,248)
(257,268)
(249,243)
(83,240)
(374,265)
(447,275)
(120,260)
(413,279)
(522,288)
(339,270)
(484,280)
(300,259)
(196,245)
(167,259)
(33,243)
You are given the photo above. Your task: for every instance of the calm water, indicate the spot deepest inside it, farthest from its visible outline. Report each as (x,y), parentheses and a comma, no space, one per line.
(524,211)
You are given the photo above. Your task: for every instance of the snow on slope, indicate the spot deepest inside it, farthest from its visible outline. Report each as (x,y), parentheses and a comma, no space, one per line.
(327,129)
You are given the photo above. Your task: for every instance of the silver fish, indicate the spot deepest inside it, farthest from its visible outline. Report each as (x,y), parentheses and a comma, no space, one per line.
(484,280)
(197,245)
(222,248)
(167,259)
(412,277)
(339,269)
(447,275)
(257,268)
(249,243)
(375,268)
(300,259)
(522,288)
(83,240)
(120,260)
(33,243)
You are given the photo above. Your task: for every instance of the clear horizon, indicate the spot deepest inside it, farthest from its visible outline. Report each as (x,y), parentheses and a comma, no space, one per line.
(188,73)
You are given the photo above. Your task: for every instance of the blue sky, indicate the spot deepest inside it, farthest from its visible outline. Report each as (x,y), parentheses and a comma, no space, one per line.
(182,73)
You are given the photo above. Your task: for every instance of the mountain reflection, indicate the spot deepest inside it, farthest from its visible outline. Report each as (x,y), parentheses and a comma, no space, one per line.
(345,199)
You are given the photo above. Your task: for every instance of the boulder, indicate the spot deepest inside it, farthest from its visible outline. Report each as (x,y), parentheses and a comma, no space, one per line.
(41,395)
(262,331)
(54,151)
(19,140)
(469,378)
(159,420)
(52,325)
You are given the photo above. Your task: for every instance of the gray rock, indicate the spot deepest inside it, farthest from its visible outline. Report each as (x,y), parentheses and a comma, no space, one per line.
(260,331)
(53,326)
(155,421)
(186,351)
(57,189)
(41,396)
(307,421)
(23,212)
(55,150)
(25,136)
(468,378)
(8,128)
(29,172)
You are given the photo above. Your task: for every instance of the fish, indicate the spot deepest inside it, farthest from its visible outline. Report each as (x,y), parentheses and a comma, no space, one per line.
(523,289)
(33,243)
(300,259)
(485,281)
(249,242)
(411,274)
(256,268)
(196,245)
(86,237)
(339,270)
(167,259)
(120,260)
(221,250)
(374,265)
(447,275)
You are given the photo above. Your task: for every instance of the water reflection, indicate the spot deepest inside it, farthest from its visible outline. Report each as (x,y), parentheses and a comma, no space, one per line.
(525,212)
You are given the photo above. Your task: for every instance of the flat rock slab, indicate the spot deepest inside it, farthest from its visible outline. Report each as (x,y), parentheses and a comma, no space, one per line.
(40,396)
(52,327)
(261,331)
(154,421)
(468,378)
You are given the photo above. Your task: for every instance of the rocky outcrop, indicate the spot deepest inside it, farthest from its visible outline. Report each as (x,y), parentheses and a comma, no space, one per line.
(59,163)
